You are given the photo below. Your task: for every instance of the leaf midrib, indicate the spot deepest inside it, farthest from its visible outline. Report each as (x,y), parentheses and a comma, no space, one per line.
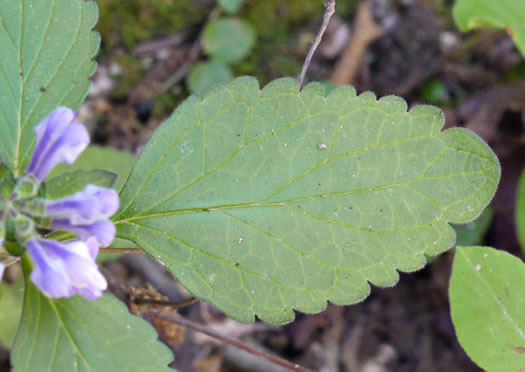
(495,297)
(282,203)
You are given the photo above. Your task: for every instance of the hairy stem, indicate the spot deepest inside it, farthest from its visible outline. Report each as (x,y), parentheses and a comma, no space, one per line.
(330,10)
(230,340)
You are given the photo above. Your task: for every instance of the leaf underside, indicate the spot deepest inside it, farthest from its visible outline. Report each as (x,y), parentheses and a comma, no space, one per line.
(265,201)
(487,301)
(74,334)
(47,46)
(470,14)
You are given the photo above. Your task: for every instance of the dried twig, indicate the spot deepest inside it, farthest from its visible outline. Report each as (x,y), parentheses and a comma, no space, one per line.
(192,57)
(230,340)
(175,304)
(364,32)
(330,10)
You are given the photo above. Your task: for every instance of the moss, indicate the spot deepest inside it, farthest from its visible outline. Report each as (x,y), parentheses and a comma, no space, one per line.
(132,21)
(132,72)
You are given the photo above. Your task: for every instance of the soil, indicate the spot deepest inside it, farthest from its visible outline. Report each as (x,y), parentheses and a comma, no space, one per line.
(477,78)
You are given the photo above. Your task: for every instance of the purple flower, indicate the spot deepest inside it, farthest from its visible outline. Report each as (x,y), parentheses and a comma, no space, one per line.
(92,204)
(2,268)
(59,139)
(103,230)
(63,269)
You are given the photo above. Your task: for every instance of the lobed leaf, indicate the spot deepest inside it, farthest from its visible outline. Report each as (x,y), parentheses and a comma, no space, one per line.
(266,201)
(47,46)
(487,300)
(74,334)
(509,14)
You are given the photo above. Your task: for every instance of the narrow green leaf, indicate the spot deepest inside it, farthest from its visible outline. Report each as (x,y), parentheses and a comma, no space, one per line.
(70,183)
(470,14)
(265,201)
(47,46)
(97,157)
(58,335)
(228,40)
(205,75)
(11,295)
(231,6)
(520,211)
(487,299)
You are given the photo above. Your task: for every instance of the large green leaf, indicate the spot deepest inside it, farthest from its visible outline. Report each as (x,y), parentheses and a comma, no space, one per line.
(267,201)
(487,299)
(510,14)
(58,335)
(45,61)
(520,211)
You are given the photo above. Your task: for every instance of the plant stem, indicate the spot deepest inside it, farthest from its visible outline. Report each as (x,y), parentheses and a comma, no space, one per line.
(175,304)
(230,340)
(330,10)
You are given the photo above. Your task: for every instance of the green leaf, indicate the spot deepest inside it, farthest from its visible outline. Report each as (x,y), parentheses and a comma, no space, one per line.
(228,40)
(47,46)
(97,157)
(509,14)
(267,201)
(70,183)
(79,335)
(472,233)
(205,75)
(520,211)
(487,301)
(231,6)
(11,296)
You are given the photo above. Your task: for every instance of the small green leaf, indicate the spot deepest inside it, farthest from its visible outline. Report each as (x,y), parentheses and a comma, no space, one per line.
(228,40)
(487,301)
(520,211)
(70,183)
(509,14)
(47,47)
(97,157)
(11,296)
(205,75)
(231,6)
(472,233)
(58,335)
(265,201)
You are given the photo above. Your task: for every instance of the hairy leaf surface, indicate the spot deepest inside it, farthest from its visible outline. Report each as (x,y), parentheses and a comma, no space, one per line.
(46,48)
(470,14)
(265,201)
(487,300)
(74,334)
